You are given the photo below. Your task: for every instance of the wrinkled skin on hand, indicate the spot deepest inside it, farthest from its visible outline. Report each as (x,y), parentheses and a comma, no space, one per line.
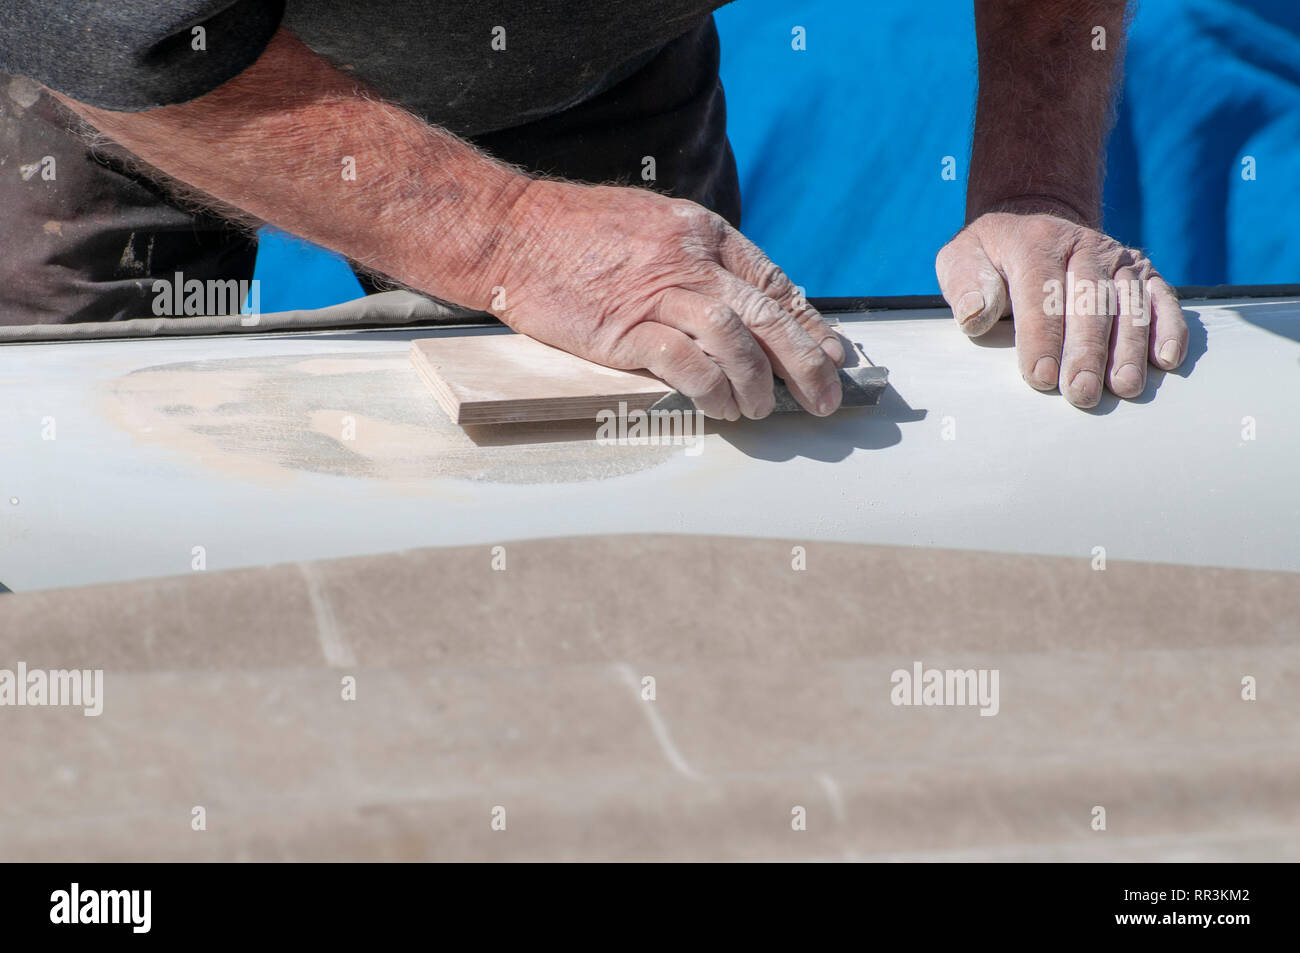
(632,279)
(1005,263)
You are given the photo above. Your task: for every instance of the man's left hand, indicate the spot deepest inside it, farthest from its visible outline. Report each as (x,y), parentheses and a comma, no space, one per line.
(1032,265)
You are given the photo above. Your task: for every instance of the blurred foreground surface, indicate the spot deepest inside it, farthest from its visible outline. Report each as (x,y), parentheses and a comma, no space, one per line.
(525,689)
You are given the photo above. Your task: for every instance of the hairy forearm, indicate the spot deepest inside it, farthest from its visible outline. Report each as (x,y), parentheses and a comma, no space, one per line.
(1044,106)
(281,141)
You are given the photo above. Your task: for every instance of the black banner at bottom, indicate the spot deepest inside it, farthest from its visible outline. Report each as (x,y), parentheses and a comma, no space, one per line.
(332,902)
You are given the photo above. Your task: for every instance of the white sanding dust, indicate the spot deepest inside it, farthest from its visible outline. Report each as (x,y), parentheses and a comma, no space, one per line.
(362,415)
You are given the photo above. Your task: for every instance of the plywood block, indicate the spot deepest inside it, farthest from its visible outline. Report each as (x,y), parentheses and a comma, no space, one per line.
(511,378)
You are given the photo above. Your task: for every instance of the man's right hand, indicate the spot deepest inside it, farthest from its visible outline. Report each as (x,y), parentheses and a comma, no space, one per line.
(632,279)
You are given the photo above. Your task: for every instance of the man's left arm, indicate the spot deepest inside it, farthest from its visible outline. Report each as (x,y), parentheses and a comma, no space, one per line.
(1048,77)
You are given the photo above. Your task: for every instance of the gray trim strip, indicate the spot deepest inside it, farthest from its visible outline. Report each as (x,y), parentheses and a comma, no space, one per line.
(920,302)
(390,308)
(401,308)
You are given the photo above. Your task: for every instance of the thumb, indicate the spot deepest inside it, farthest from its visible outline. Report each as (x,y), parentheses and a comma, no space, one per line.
(973,288)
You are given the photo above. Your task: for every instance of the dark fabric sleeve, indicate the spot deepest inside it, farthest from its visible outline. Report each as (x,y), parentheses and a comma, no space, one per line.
(131,55)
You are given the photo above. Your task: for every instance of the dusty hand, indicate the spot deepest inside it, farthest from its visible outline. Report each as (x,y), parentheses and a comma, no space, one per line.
(632,279)
(1007,263)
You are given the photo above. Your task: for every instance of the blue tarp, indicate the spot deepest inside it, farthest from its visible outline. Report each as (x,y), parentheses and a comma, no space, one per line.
(841,145)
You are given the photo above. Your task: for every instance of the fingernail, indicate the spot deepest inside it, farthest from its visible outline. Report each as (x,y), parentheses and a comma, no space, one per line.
(827,406)
(834,350)
(969,307)
(1086,387)
(1046,371)
(1128,380)
(1169,353)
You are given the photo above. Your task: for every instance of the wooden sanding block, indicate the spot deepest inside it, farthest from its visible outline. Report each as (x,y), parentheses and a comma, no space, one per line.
(511,378)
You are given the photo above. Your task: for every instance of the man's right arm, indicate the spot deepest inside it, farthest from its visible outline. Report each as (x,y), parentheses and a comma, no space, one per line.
(621,276)
(417,203)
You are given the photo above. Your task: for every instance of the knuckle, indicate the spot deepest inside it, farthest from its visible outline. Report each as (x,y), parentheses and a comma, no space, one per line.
(704,227)
(718,318)
(811,362)
(1074,364)
(769,277)
(762,314)
(684,208)
(816,329)
(1110,257)
(1142,266)
(718,225)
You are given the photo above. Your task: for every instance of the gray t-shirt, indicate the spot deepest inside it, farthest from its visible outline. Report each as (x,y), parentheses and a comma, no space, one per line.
(472,66)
